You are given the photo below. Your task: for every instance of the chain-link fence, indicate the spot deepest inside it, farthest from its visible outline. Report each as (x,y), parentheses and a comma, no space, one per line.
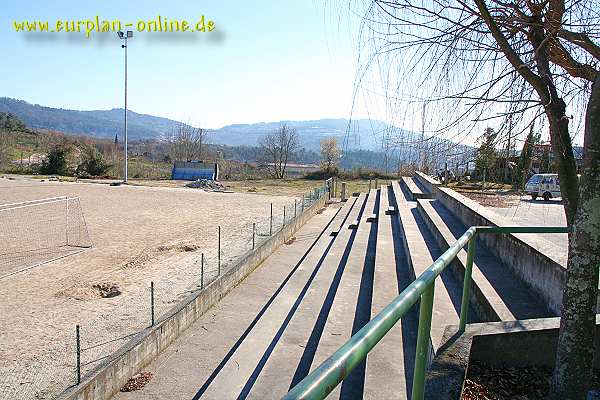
(72,356)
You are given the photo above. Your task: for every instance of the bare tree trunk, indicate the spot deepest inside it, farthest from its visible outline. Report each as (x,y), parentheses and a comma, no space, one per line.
(278,147)
(563,151)
(573,371)
(507,154)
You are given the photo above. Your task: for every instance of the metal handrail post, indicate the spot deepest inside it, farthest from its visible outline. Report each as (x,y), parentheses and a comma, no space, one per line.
(423,343)
(466,294)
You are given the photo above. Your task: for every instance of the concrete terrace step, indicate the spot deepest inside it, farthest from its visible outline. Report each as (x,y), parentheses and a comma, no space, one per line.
(421,252)
(338,221)
(293,355)
(499,294)
(218,355)
(413,191)
(422,187)
(390,364)
(351,308)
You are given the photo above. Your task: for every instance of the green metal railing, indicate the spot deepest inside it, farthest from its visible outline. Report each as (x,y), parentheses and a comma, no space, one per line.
(324,379)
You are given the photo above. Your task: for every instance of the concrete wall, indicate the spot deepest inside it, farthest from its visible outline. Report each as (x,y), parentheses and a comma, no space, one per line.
(532,342)
(427,182)
(523,343)
(141,350)
(539,263)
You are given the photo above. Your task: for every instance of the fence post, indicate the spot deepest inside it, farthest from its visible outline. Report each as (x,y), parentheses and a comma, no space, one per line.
(219,249)
(343,191)
(422,352)
(66,219)
(283,216)
(271,223)
(369,185)
(335,187)
(202,271)
(466,294)
(152,302)
(78,350)
(302,202)
(295,208)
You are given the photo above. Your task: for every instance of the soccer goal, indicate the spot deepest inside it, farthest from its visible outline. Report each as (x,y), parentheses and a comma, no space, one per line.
(37,232)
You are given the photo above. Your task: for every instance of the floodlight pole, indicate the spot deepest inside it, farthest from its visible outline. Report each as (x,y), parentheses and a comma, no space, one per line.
(125,36)
(125,109)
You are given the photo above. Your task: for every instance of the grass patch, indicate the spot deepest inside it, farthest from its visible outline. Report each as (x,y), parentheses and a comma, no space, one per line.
(478,185)
(294,187)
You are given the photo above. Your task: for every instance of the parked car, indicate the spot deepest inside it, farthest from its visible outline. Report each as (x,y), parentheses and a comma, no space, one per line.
(543,185)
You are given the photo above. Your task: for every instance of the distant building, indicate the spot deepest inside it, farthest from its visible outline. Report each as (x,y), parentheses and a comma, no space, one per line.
(543,158)
(194,170)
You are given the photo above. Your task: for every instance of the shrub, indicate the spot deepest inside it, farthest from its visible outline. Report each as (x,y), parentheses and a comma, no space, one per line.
(321,174)
(92,163)
(56,161)
(359,173)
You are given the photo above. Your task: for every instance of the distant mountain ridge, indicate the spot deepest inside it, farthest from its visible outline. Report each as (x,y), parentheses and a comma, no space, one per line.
(97,123)
(364,134)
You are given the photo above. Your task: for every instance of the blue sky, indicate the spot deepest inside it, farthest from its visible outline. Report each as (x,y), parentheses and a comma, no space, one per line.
(267,60)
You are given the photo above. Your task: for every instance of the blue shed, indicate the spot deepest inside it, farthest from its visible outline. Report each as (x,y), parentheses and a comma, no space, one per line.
(194,170)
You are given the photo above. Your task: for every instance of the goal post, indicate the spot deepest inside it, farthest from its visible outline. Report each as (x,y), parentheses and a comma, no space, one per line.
(36,232)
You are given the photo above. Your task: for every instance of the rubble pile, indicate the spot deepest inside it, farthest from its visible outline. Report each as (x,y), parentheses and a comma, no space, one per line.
(205,184)
(137,382)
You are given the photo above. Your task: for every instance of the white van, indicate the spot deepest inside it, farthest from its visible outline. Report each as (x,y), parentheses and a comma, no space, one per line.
(543,185)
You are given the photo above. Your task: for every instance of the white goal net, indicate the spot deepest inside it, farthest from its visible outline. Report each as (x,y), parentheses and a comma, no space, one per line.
(40,231)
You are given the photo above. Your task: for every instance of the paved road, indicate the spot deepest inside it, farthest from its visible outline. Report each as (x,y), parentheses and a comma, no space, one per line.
(537,213)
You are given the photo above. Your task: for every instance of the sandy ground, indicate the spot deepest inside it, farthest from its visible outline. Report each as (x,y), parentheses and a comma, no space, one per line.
(140,234)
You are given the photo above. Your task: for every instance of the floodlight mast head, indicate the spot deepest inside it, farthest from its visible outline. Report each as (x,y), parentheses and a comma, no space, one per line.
(129,34)
(121,34)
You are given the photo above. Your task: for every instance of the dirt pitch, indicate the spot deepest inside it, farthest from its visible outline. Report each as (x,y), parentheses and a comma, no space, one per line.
(140,234)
